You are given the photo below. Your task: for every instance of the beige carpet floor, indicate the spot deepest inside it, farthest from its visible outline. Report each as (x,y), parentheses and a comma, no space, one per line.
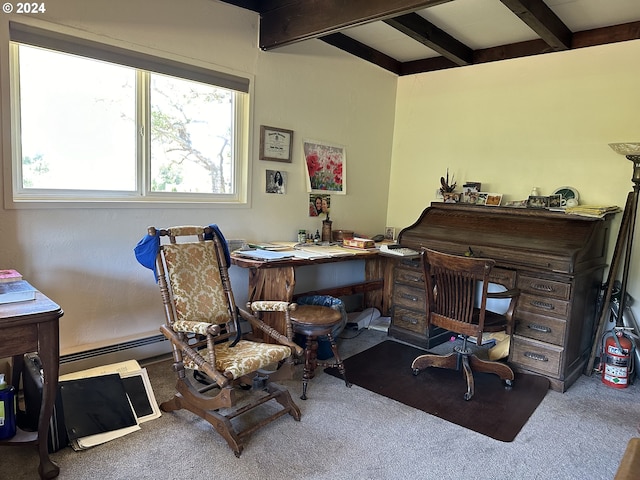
(351,433)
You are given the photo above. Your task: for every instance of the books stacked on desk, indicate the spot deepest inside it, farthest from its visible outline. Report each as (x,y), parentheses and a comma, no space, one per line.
(14,289)
(359,243)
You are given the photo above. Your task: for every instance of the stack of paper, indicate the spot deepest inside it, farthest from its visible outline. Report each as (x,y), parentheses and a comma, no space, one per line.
(321,251)
(105,403)
(597,211)
(263,255)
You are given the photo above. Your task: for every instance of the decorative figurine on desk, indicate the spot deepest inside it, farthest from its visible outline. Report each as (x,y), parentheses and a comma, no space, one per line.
(447,190)
(326,224)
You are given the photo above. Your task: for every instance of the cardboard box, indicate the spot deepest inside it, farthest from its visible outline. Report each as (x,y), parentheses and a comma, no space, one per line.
(357,242)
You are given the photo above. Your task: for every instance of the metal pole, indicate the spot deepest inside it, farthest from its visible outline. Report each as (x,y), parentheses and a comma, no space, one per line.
(632,222)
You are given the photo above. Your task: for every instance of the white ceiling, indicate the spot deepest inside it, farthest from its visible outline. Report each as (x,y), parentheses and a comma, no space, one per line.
(488,23)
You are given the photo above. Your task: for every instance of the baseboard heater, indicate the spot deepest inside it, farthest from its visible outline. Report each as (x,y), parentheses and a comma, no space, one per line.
(140,349)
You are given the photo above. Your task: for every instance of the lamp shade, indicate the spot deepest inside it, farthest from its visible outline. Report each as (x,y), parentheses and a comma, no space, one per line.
(629,148)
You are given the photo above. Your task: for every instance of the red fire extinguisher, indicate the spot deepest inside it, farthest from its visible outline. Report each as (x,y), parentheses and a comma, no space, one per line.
(617,359)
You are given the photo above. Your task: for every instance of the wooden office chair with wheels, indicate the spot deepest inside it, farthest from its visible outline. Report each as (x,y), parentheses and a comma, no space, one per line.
(202,323)
(452,293)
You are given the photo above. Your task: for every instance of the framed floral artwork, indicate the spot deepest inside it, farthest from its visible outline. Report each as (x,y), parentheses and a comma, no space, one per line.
(326,167)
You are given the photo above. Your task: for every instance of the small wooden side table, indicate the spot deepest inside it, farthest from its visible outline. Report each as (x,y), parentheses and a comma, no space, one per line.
(33,326)
(315,321)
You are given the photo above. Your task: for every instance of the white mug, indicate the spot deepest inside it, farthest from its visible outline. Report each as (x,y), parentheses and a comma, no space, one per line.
(572,202)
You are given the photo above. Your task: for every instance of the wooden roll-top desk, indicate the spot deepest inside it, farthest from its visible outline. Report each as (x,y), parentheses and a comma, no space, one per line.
(555,259)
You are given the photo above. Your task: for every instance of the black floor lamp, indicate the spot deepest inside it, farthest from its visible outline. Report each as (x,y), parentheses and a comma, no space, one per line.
(624,241)
(632,152)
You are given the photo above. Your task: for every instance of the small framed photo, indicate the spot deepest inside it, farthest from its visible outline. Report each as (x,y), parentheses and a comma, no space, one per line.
(276,181)
(489,199)
(470,193)
(389,233)
(517,203)
(275,144)
(555,201)
(538,202)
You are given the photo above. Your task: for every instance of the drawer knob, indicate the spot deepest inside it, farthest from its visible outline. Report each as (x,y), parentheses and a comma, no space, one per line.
(542,287)
(539,328)
(406,296)
(544,305)
(411,320)
(536,356)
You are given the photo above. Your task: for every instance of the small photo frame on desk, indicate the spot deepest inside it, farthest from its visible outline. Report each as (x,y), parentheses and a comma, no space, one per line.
(275,144)
(538,202)
(493,199)
(489,199)
(555,201)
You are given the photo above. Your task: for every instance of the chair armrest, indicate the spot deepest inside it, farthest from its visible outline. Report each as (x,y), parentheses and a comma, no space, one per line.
(269,306)
(201,328)
(193,355)
(512,293)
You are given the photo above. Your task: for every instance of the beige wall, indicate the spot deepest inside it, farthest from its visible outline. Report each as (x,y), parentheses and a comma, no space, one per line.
(543,121)
(83,257)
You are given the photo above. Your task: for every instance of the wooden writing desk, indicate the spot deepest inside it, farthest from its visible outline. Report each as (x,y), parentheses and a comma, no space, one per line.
(275,280)
(26,327)
(555,260)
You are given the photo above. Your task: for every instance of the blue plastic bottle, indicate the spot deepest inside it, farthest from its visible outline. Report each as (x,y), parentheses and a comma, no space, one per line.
(7,409)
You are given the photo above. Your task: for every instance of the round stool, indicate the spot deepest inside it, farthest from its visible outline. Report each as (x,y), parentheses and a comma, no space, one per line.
(315,321)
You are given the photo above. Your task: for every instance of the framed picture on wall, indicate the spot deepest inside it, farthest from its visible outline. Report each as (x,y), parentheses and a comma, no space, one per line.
(326,166)
(275,144)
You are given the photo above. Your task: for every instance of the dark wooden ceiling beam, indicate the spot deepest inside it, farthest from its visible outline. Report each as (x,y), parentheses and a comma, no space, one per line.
(604,35)
(425,32)
(299,20)
(354,47)
(541,19)
(586,38)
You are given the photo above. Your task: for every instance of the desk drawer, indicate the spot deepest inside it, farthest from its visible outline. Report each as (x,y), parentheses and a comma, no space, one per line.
(542,305)
(410,297)
(543,328)
(18,340)
(504,277)
(544,287)
(410,276)
(536,356)
(410,320)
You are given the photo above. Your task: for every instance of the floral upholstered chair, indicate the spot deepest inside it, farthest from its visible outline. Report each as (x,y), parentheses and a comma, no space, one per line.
(202,323)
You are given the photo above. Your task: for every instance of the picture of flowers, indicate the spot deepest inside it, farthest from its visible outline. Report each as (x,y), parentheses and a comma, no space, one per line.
(326,167)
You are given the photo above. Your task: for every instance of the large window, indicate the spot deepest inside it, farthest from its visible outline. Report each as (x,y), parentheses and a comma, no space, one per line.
(95,123)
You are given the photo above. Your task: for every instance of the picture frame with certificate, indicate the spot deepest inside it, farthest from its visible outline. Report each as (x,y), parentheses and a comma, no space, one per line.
(275,144)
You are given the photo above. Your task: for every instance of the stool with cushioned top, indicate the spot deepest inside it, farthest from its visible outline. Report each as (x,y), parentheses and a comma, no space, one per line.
(315,321)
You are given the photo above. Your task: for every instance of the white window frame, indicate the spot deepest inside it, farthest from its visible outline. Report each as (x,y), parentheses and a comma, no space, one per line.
(34,36)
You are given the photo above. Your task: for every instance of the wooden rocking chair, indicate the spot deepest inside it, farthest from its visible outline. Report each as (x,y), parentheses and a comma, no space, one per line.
(202,323)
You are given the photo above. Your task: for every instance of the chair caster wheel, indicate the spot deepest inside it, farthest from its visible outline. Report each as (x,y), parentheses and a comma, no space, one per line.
(508,384)
(415,372)
(467,396)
